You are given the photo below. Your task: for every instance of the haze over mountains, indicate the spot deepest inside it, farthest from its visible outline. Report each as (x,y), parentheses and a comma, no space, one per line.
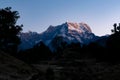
(67,32)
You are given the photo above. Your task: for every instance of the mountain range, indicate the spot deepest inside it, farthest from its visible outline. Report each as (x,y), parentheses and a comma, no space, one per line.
(54,36)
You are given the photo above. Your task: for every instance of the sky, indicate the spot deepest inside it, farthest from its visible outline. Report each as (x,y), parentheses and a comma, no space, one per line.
(38,15)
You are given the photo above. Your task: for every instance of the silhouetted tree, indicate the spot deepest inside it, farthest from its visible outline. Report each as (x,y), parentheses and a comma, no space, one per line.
(9,31)
(113,44)
(116,28)
(113,41)
(38,53)
(42,51)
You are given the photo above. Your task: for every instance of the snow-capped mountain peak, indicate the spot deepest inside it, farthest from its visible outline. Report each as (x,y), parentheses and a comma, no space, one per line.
(80,27)
(67,32)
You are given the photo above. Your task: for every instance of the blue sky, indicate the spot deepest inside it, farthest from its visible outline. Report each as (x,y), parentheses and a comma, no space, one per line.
(37,15)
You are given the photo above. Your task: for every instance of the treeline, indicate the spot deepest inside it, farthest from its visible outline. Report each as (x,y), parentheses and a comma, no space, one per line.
(109,52)
(38,53)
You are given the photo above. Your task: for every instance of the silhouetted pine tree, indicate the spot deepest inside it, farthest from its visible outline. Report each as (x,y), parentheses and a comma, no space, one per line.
(114,39)
(9,31)
(113,44)
(116,29)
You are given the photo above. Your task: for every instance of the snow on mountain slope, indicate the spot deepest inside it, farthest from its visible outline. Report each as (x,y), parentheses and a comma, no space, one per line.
(28,40)
(73,32)
(81,27)
(69,33)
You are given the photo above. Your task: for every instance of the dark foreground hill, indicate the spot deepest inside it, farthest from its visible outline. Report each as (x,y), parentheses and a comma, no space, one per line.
(14,69)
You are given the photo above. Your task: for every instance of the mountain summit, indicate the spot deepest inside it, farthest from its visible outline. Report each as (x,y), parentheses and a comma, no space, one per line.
(72,32)
(67,32)
(80,27)
(69,26)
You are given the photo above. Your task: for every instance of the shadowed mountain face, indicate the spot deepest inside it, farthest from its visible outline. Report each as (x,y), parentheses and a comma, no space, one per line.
(68,32)
(14,69)
(29,39)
